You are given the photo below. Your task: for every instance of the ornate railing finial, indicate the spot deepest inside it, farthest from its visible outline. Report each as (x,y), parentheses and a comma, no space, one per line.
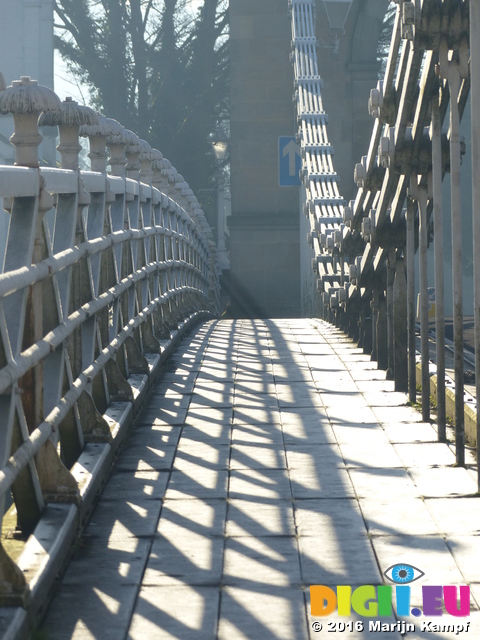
(132,151)
(69,120)
(25,99)
(97,136)
(116,142)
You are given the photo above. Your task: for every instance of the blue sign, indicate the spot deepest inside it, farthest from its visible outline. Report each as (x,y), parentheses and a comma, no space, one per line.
(289,162)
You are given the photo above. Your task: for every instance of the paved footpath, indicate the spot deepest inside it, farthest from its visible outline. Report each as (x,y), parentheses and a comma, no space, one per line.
(272,456)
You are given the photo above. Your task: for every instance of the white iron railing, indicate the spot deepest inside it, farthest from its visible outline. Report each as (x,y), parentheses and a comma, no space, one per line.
(365,266)
(102,274)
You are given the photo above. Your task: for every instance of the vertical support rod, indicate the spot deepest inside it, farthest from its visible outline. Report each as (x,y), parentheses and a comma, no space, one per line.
(475,104)
(439,278)
(390,334)
(454,87)
(400,327)
(382,339)
(221,247)
(424,349)
(412,383)
(367,331)
(374,314)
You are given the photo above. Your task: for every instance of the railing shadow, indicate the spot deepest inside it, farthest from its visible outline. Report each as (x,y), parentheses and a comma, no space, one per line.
(228,505)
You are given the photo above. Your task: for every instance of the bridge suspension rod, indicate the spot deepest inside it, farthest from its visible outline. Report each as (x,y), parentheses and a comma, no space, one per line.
(408,155)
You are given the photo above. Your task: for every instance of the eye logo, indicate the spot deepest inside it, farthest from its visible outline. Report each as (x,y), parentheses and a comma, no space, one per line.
(403,573)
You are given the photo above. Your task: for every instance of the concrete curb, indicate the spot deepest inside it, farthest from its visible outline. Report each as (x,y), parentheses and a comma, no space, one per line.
(470,413)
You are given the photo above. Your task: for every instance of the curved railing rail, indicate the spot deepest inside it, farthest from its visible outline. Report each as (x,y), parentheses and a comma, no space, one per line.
(102,273)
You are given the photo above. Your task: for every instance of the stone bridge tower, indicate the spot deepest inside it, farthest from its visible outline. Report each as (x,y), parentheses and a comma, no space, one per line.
(264,225)
(26,48)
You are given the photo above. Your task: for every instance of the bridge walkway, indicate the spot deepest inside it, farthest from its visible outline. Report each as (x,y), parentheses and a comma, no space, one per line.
(273,455)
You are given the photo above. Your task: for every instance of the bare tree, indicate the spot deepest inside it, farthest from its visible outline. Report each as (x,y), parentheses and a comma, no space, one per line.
(386,36)
(155,65)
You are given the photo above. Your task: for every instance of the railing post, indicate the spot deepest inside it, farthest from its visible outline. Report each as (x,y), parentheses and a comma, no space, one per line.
(420,192)
(451,71)
(68,219)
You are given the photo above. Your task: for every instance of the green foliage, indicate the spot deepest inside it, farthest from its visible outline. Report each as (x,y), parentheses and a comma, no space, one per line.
(158,67)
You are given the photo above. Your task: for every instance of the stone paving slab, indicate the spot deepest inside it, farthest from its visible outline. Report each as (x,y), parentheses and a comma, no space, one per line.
(322,480)
(253,400)
(140,457)
(205,418)
(312,456)
(203,483)
(272,456)
(396,484)
(272,612)
(257,434)
(443,482)
(308,431)
(365,455)
(192,457)
(90,613)
(430,554)
(408,433)
(128,486)
(217,433)
(410,516)
(257,456)
(189,556)
(318,517)
(250,561)
(425,454)
(253,518)
(466,551)
(371,434)
(343,413)
(160,613)
(264,484)
(338,562)
(248,415)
